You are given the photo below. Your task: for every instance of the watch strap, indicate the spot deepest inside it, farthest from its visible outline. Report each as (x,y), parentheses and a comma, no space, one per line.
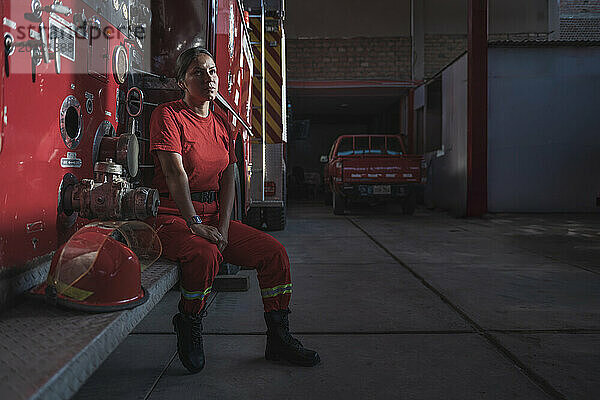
(193,220)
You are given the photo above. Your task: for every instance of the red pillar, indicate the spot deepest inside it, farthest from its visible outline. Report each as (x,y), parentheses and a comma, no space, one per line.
(410,115)
(477,109)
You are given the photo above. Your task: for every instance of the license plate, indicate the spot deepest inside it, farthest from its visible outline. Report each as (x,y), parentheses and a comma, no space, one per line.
(382,189)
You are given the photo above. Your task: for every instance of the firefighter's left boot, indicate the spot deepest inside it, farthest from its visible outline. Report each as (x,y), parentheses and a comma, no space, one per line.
(281,345)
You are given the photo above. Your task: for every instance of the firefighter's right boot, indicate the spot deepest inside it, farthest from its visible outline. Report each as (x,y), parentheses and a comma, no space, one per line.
(281,345)
(189,341)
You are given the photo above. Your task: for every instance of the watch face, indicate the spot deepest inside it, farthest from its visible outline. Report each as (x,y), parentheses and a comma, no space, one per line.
(195,220)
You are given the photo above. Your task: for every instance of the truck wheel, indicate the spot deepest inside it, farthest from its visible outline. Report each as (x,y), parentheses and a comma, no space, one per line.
(409,204)
(275,218)
(339,203)
(253,218)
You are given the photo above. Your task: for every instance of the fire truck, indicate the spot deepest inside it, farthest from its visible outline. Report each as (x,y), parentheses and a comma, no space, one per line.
(269,128)
(79,81)
(248,42)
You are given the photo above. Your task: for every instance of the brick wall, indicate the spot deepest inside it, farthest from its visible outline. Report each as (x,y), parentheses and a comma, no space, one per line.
(356,58)
(441,50)
(578,7)
(580,19)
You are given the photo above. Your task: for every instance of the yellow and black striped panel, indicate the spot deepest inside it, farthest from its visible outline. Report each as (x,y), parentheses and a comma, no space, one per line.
(256,81)
(273,82)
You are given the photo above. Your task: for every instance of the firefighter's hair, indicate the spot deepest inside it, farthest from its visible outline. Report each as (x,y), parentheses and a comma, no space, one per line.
(185,59)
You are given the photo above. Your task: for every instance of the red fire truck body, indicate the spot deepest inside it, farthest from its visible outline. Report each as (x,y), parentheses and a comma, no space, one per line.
(75,75)
(49,119)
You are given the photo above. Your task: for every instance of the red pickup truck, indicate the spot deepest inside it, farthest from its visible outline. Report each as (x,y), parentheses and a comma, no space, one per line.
(372,168)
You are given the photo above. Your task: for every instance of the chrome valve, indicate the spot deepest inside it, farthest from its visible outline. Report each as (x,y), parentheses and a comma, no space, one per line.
(36,10)
(109,196)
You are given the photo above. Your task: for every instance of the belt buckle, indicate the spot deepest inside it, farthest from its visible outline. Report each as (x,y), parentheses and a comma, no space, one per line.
(205,198)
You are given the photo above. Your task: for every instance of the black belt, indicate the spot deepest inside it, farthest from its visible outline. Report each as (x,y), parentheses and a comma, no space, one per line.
(202,197)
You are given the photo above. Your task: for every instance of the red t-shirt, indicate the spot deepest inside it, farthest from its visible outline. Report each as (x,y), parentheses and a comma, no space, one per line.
(205,144)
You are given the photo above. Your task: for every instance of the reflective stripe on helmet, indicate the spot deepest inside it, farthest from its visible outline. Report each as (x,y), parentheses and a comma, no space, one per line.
(72,292)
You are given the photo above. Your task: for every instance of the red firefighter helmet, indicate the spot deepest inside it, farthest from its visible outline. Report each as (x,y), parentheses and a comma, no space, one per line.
(99,268)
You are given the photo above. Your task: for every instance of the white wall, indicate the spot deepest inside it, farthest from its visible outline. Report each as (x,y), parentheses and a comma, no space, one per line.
(447,183)
(543,129)
(505,16)
(359,18)
(346,19)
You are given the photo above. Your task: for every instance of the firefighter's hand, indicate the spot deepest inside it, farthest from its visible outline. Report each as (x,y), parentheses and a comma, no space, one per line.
(224,241)
(208,232)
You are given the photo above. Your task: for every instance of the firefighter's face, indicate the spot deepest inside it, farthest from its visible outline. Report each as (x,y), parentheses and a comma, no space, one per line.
(201,80)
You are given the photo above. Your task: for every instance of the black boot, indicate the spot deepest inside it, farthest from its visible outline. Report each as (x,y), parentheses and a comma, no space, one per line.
(189,341)
(282,346)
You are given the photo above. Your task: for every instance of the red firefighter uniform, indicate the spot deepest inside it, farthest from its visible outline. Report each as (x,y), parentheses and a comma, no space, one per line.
(206,147)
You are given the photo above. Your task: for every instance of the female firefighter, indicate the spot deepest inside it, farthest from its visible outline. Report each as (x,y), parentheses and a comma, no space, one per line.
(195,160)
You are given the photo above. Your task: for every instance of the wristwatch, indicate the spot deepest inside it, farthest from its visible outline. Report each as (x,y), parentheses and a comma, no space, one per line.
(194,219)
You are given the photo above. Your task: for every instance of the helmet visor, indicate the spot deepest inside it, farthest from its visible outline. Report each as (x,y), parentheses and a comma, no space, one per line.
(81,252)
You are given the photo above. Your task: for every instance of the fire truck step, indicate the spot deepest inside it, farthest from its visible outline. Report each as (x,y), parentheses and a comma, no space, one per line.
(231,283)
(60,349)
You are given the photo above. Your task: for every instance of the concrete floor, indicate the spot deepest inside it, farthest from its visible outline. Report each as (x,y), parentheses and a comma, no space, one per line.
(419,307)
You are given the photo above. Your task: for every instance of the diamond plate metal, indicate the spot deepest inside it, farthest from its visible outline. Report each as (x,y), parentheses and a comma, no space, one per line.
(275,169)
(257,172)
(35,272)
(48,353)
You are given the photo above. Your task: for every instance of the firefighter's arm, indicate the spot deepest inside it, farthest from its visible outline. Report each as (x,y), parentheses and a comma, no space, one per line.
(226,195)
(179,188)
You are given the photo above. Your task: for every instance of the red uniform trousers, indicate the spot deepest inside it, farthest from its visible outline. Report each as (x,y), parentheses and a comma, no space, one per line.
(200,259)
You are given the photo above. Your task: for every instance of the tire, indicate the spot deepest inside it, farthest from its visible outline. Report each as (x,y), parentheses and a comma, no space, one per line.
(253,218)
(275,218)
(339,204)
(409,204)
